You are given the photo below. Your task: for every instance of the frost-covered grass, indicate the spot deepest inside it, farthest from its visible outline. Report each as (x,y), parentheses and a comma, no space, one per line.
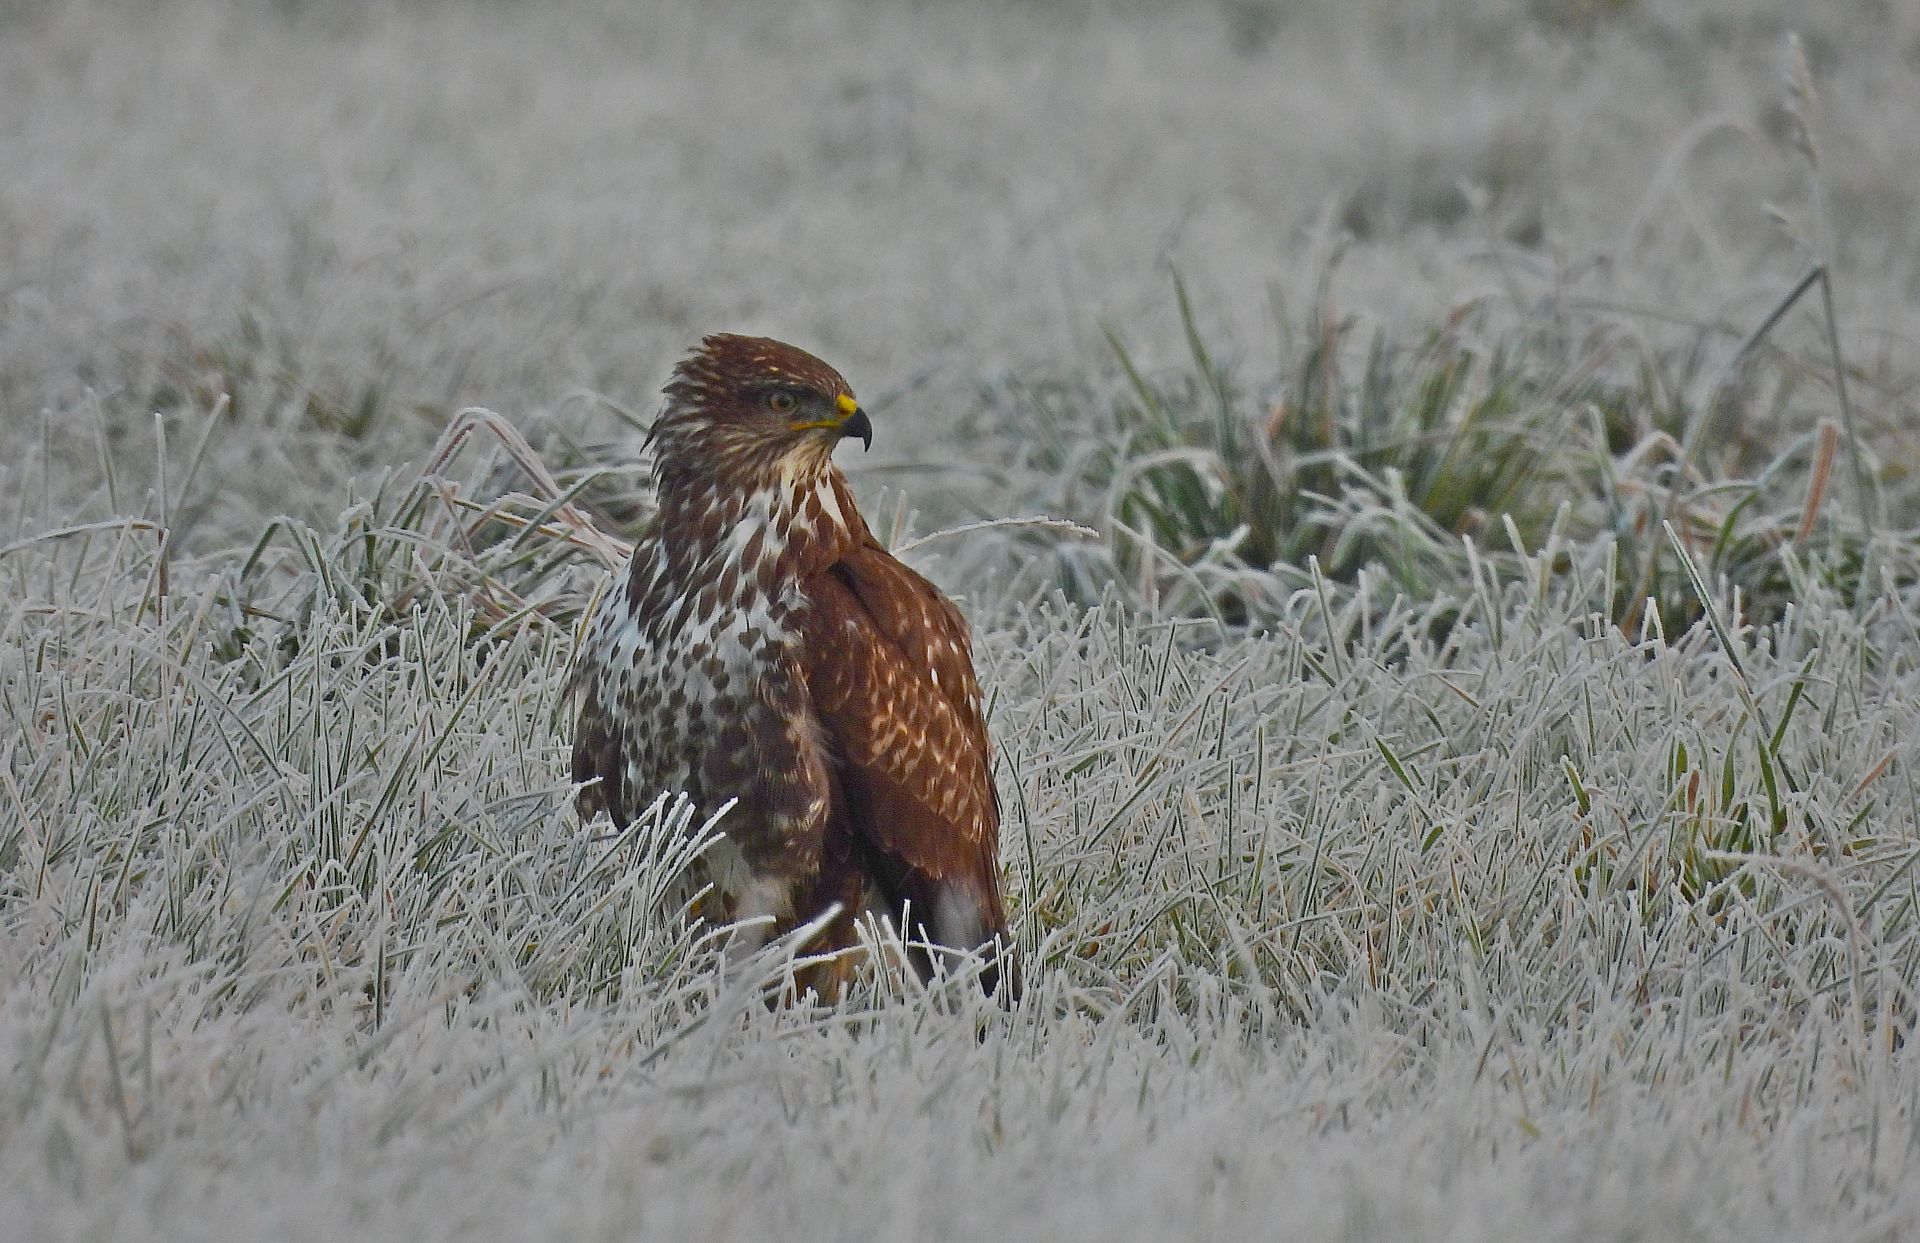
(1546,930)
(1386,868)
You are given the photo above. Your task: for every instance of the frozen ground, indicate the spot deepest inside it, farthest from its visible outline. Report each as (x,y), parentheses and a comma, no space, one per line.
(1354,938)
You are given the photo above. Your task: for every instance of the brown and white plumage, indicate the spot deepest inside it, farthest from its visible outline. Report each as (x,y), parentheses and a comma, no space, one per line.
(762,646)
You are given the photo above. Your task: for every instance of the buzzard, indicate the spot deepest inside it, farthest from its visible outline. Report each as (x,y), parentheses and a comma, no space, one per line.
(762,647)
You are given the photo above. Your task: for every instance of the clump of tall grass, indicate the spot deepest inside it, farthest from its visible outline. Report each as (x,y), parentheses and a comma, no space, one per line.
(514,554)
(1433,461)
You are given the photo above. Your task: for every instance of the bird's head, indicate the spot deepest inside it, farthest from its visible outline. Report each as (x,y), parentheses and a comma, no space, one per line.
(745,408)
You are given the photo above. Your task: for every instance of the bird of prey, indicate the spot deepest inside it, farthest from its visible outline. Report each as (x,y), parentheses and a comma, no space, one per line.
(762,647)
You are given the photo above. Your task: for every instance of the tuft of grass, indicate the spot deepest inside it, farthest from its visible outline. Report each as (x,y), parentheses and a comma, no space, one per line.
(513,556)
(1437,461)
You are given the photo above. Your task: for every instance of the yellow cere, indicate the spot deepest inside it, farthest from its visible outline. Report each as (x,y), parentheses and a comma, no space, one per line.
(847,404)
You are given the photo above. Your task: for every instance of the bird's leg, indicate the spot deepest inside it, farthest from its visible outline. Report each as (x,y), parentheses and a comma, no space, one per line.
(838,954)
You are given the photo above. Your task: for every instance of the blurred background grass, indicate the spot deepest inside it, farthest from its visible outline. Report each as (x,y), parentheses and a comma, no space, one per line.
(355,219)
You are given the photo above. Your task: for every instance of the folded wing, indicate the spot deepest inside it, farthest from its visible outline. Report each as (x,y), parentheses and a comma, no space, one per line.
(889,670)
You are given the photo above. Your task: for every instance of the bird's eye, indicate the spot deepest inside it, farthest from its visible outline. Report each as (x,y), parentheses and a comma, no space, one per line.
(781,402)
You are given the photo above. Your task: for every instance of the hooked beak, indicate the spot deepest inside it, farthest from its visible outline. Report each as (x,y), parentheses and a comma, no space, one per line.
(858,424)
(850,420)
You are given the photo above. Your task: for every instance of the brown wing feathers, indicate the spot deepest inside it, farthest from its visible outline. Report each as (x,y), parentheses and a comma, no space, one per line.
(887,666)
